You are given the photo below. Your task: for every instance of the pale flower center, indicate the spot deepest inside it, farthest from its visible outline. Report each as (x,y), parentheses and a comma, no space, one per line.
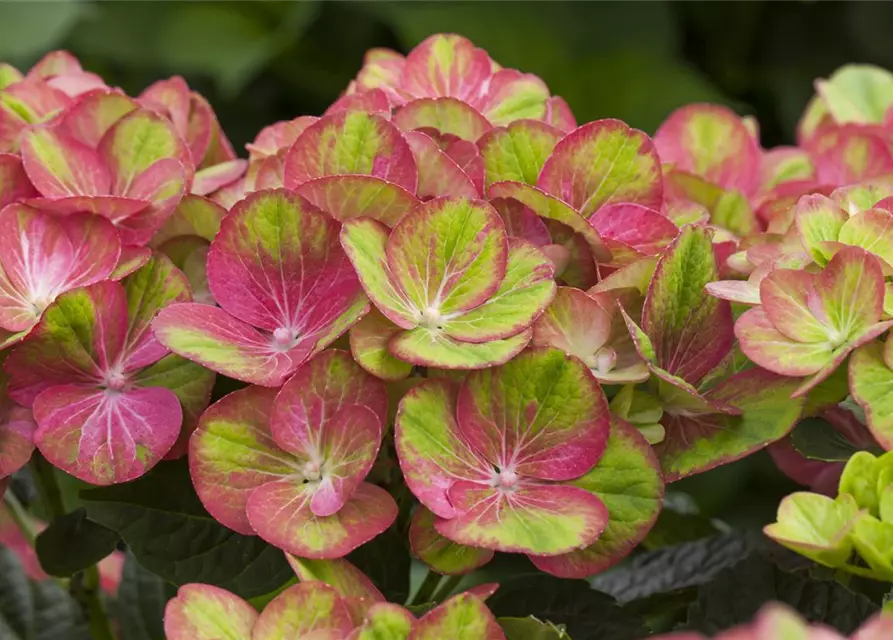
(312,471)
(504,480)
(430,318)
(283,338)
(605,360)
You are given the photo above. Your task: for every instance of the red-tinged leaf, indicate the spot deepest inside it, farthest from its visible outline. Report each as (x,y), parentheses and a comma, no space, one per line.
(691,331)
(374,101)
(444,115)
(519,151)
(728,209)
(154,286)
(106,436)
(552,209)
(643,229)
(16,434)
(628,480)
(439,553)
(369,340)
(274,263)
(205,612)
(446,65)
(587,326)
(172,99)
(24,103)
(382,68)
(60,166)
(232,452)
(468,157)
(712,142)
(512,95)
(194,216)
(131,259)
(462,617)
(133,145)
(14,182)
(431,452)
(162,187)
(77,340)
(789,297)
(539,519)
(849,154)
(365,243)
(600,163)
(88,119)
(384,620)
(339,574)
(850,293)
(351,142)
(541,415)
(448,256)
(280,513)
(308,610)
(42,256)
(433,348)
(871,230)
(278,137)
(439,175)
(215,339)
(697,443)
(524,293)
(345,197)
(785,165)
(559,114)
(521,222)
(871,382)
(818,219)
(766,346)
(331,414)
(210,179)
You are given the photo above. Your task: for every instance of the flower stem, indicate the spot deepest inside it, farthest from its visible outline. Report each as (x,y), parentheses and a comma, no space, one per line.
(45,477)
(20,517)
(447,588)
(88,594)
(426,590)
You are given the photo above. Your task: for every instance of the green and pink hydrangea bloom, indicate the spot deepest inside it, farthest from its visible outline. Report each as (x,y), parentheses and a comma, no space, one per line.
(290,466)
(318,611)
(513,460)
(108,399)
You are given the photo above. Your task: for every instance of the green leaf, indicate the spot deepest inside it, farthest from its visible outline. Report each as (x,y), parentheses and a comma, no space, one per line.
(140,605)
(163,522)
(35,611)
(72,543)
(386,561)
(530,628)
(585,612)
(673,568)
(817,439)
(737,593)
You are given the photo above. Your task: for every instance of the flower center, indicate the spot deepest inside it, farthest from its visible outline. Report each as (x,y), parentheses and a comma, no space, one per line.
(116,380)
(605,359)
(312,471)
(283,339)
(504,479)
(431,318)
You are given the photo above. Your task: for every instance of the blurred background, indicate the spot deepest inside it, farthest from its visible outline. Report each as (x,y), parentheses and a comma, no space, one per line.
(260,61)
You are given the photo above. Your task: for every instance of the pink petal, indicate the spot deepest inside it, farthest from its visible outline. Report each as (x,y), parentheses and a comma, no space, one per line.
(106,437)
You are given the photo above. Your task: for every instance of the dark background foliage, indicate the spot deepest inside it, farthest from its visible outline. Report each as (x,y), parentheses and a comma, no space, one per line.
(260,61)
